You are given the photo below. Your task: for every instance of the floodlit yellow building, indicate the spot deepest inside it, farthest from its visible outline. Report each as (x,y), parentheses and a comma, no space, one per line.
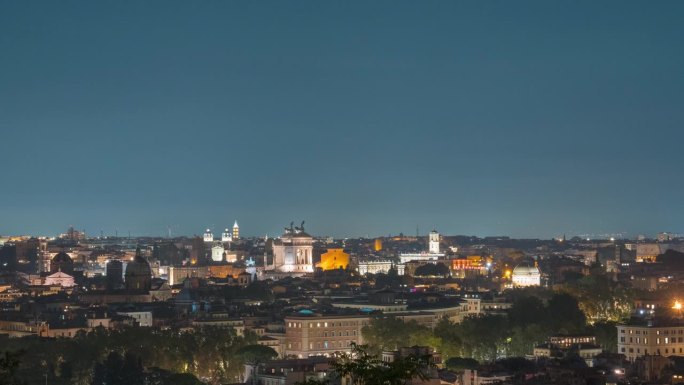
(378,244)
(334,259)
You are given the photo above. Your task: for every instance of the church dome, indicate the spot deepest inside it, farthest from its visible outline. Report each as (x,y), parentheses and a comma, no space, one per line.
(138,273)
(62,257)
(525,268)
(62,262)
(526,274)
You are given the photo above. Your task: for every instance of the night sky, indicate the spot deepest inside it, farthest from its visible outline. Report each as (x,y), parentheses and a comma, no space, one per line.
(529,119)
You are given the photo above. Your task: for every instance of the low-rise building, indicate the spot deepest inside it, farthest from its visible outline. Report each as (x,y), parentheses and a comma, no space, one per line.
(559,346)
(478,377)
(374,266)
(142,318)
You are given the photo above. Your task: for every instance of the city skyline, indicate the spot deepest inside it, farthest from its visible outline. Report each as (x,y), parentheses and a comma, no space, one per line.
(418,231)
(529,119)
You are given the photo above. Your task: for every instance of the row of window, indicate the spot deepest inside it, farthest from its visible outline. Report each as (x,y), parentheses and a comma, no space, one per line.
(657,332)
(330,345)
(667,340)
(323,324)
(667,351)
(333,334)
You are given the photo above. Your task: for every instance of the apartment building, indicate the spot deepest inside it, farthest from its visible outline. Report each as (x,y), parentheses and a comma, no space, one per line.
(637,340)
(310,334)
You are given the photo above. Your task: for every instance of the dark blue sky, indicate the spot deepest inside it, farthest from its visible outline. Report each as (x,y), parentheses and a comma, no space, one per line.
(364,118)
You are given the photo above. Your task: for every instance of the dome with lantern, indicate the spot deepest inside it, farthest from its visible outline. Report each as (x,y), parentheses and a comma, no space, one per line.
(138,276)
(525,274)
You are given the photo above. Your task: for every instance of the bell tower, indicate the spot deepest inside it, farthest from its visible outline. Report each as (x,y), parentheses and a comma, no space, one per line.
(433,242)
(236,231)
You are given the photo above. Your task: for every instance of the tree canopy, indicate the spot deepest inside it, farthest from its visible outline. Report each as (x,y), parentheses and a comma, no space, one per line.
(208,352)
(362,367)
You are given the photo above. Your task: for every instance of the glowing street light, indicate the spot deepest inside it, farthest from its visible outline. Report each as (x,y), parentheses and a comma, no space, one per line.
(677,305)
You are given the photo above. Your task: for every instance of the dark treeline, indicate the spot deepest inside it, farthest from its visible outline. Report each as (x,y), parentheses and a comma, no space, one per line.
(130,355)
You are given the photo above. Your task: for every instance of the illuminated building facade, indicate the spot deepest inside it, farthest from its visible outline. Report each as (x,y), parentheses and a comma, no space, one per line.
(636,341)
(469,266)
(374,266)
(224,271)
(178,274)
(424,257)
(217,252)
(59,278)
(526,274)
(334,259)
(431,255)
(293,251)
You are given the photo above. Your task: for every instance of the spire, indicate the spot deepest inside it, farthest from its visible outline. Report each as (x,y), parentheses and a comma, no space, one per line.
(236,231)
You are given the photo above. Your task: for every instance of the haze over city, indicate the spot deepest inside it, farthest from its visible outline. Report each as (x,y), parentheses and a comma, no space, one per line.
(530,119)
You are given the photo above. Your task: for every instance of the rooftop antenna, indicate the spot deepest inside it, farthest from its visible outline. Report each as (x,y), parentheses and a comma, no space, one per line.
(169,231)
(417,231)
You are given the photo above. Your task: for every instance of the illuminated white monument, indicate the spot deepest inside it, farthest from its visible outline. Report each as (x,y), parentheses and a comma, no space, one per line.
(293,251)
